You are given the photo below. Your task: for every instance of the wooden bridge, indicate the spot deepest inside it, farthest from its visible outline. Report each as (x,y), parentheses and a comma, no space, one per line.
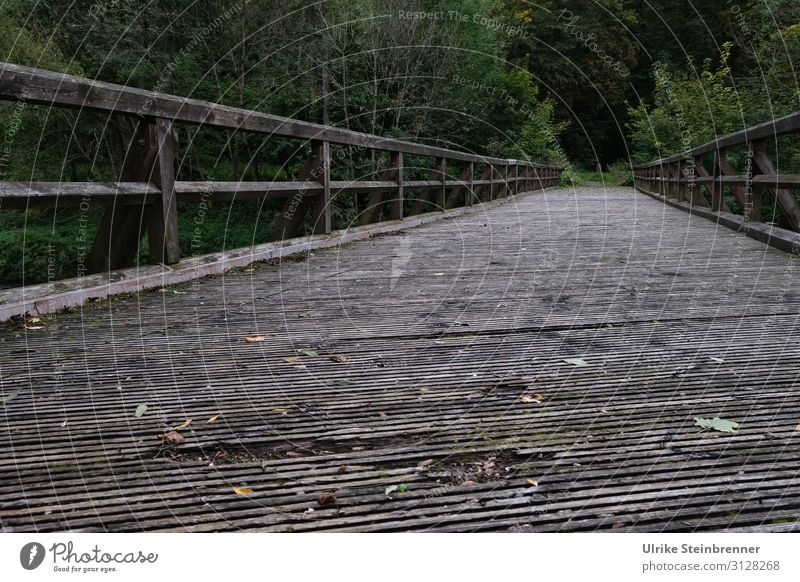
(491,354)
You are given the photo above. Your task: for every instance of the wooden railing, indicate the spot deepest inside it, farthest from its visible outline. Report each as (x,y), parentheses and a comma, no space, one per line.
(148,176)
(701,178)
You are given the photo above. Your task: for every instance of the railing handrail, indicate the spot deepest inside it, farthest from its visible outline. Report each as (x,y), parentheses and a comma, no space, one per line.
(43,87)
(681,179)
(769,129)
(148,176)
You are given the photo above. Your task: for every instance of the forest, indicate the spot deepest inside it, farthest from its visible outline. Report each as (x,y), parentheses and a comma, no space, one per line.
(590,84)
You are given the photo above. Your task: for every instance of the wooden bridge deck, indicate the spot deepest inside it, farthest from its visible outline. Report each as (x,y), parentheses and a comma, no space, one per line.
(453,385)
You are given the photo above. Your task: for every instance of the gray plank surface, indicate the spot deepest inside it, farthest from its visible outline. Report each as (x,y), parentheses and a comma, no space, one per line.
(453,385)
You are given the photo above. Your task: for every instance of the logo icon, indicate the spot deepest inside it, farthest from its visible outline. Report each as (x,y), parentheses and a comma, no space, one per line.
(31,555)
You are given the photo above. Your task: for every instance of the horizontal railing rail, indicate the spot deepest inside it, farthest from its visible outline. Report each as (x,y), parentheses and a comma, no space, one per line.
(148,176)
(700,179)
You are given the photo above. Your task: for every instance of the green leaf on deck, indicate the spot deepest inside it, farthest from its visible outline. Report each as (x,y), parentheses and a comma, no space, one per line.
(395,488)
(308,352)
(140,410)
(576,361)
(717,423)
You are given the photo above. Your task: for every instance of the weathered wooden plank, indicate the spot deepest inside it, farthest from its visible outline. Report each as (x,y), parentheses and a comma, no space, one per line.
(435,345)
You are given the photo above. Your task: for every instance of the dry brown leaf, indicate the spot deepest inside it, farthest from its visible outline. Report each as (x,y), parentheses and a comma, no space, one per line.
(338,358)
(531,398)
(327,498)
(172,438)
(281,410)
(292,360)
(382,414)
(533,482)
(242,490)
(184,424)
(797,428)
(294,454)
(251,339)
(213,418)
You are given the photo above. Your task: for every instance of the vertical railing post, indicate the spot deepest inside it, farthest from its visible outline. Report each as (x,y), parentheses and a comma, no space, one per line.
(469,195)
(162,219)
(491,182)
(396,205)
(717,198)
(323,217)
(516,178)
(441,191)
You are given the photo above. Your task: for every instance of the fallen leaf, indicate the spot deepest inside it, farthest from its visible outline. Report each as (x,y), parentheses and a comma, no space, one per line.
(717,423)
(292,360)
(281,410)
(173,438)
(533,482)
(343,382)
(250,270)
(34,320)
(184,424)
(213,418)
(140,410)
(382,414)
(327,498)
(717,360)
(64,424)
(242,490)
(797,428)
(402,488)
(531,398)
(390,489)
(293,454)
(339,359)
(251,339)
(34,327)
(576,361)
(308,352)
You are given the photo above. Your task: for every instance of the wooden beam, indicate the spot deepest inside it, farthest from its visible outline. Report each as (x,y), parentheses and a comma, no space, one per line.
(38,86)
(783,198)
(321,204)
(396,204)
(116,243)
(441,175)
(457,196)
(379,199)
(290,220)
(162,219)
